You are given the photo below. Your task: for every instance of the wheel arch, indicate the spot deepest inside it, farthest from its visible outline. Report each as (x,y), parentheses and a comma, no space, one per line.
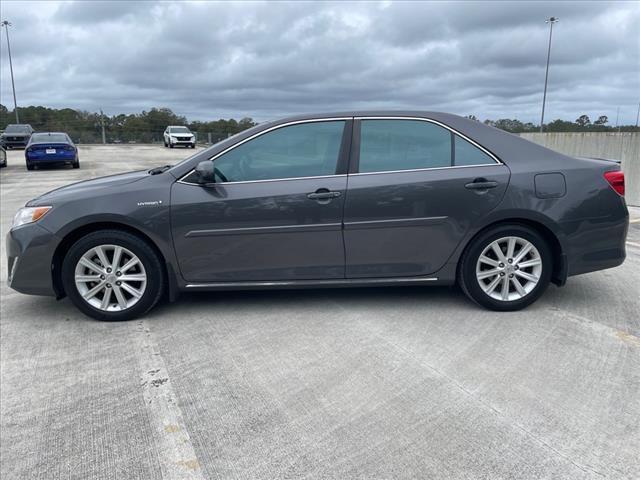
(559,272)
(74,235)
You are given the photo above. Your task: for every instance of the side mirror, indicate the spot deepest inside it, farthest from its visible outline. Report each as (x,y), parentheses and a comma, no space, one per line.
(204,172)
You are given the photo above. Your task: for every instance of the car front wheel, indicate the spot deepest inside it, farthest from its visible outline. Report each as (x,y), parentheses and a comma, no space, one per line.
(112,275)
(506,268)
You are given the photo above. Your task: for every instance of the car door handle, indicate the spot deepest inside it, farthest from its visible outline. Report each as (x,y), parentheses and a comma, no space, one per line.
(481,184)
(323,194)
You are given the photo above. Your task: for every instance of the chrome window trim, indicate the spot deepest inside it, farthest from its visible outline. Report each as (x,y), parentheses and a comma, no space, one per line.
(334,119)
(425,169)
(452,130)
(276,127)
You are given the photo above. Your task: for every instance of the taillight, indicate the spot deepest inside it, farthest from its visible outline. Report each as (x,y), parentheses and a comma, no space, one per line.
(68,147)
(616,180)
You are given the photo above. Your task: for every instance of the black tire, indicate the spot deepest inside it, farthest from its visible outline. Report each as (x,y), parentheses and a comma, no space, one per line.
(152,265)
(29,166)
(76,164)
(467,267)
(170,145)
(193,145)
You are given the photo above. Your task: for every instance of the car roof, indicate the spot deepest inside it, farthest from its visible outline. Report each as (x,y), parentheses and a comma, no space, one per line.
(516,152)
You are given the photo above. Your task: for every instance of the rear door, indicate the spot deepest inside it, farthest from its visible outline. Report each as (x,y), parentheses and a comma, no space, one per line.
(275,211)
(415,188)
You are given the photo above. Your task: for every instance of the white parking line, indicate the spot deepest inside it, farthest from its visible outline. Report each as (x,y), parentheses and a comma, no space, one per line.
(177,457)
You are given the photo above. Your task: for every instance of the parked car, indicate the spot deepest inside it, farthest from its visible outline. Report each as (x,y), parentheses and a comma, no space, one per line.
(3,157)
(51,148)
(16,136)
(349,199)
(179,135)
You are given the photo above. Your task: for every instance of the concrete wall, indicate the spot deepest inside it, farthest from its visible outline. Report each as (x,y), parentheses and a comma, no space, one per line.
(623,146)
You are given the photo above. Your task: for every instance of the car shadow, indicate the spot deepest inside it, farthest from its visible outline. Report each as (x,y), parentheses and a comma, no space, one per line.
(369,296)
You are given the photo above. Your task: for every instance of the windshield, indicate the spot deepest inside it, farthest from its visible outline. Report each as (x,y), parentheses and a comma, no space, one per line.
(49,138)
(17,129)
(179,130)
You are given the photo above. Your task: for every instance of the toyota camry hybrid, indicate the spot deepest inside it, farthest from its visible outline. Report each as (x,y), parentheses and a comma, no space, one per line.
(331,200)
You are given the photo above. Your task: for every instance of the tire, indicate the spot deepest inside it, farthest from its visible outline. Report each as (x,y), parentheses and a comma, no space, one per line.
(170,145)
(537,263)
(148,266)
(30,166)
(76,164)
(193,145)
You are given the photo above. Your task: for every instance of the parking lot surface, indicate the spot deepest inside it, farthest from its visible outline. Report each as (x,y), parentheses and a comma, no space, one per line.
(363,383)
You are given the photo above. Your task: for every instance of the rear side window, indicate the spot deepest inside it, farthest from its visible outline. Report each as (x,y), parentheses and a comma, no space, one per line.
(302,150)
(468,154)
(388,145)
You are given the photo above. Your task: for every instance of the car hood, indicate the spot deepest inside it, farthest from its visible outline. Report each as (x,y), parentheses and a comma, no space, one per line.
(5,134)
(86,186)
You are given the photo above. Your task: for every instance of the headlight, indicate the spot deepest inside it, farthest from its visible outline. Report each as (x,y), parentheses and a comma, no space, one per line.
(29,215)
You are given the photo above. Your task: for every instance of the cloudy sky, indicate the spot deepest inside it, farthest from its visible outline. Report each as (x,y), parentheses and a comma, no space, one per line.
(209,60)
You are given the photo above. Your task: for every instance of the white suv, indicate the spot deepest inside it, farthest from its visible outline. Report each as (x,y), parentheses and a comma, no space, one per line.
(177,135)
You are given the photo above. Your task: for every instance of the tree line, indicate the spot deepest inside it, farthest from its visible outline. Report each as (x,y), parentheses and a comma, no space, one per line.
(144,127)
(148,126)
(581,124)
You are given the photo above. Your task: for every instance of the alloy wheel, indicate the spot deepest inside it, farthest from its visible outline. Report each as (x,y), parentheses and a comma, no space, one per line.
(509,268)
(110,278)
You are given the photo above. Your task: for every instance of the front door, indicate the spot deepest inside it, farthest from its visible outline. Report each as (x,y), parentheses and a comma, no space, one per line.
(415,190)
(274,212)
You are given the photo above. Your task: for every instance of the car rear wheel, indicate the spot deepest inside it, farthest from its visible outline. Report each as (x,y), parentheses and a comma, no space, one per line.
(112,275)
(506,268)
(30,166)
(76,164)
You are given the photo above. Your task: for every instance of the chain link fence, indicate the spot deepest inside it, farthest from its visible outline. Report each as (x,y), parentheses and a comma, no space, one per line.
(133,136)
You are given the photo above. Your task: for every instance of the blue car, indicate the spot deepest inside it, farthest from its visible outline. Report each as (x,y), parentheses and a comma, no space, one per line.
(51,148)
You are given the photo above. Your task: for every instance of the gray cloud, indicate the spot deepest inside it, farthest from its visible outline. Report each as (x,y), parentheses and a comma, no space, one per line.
(209,60)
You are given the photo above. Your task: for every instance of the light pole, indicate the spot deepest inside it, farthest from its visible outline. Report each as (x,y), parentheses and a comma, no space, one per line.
(6,25)
(550,21)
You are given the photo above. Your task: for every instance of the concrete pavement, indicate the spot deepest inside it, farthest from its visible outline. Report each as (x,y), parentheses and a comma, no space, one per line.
(365,383)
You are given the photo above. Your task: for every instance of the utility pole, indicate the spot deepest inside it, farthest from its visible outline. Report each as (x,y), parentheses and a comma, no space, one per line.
(6,25)
(617,116)
(550,21)
(104,137)
(638,115)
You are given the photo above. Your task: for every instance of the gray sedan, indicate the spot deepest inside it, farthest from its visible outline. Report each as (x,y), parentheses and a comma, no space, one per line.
(331,200)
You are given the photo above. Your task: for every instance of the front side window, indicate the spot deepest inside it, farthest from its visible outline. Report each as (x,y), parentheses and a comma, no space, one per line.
(302,150)
(389,145)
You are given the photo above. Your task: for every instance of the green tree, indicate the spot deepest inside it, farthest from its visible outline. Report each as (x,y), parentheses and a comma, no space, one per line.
(602,120)
(583,120)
